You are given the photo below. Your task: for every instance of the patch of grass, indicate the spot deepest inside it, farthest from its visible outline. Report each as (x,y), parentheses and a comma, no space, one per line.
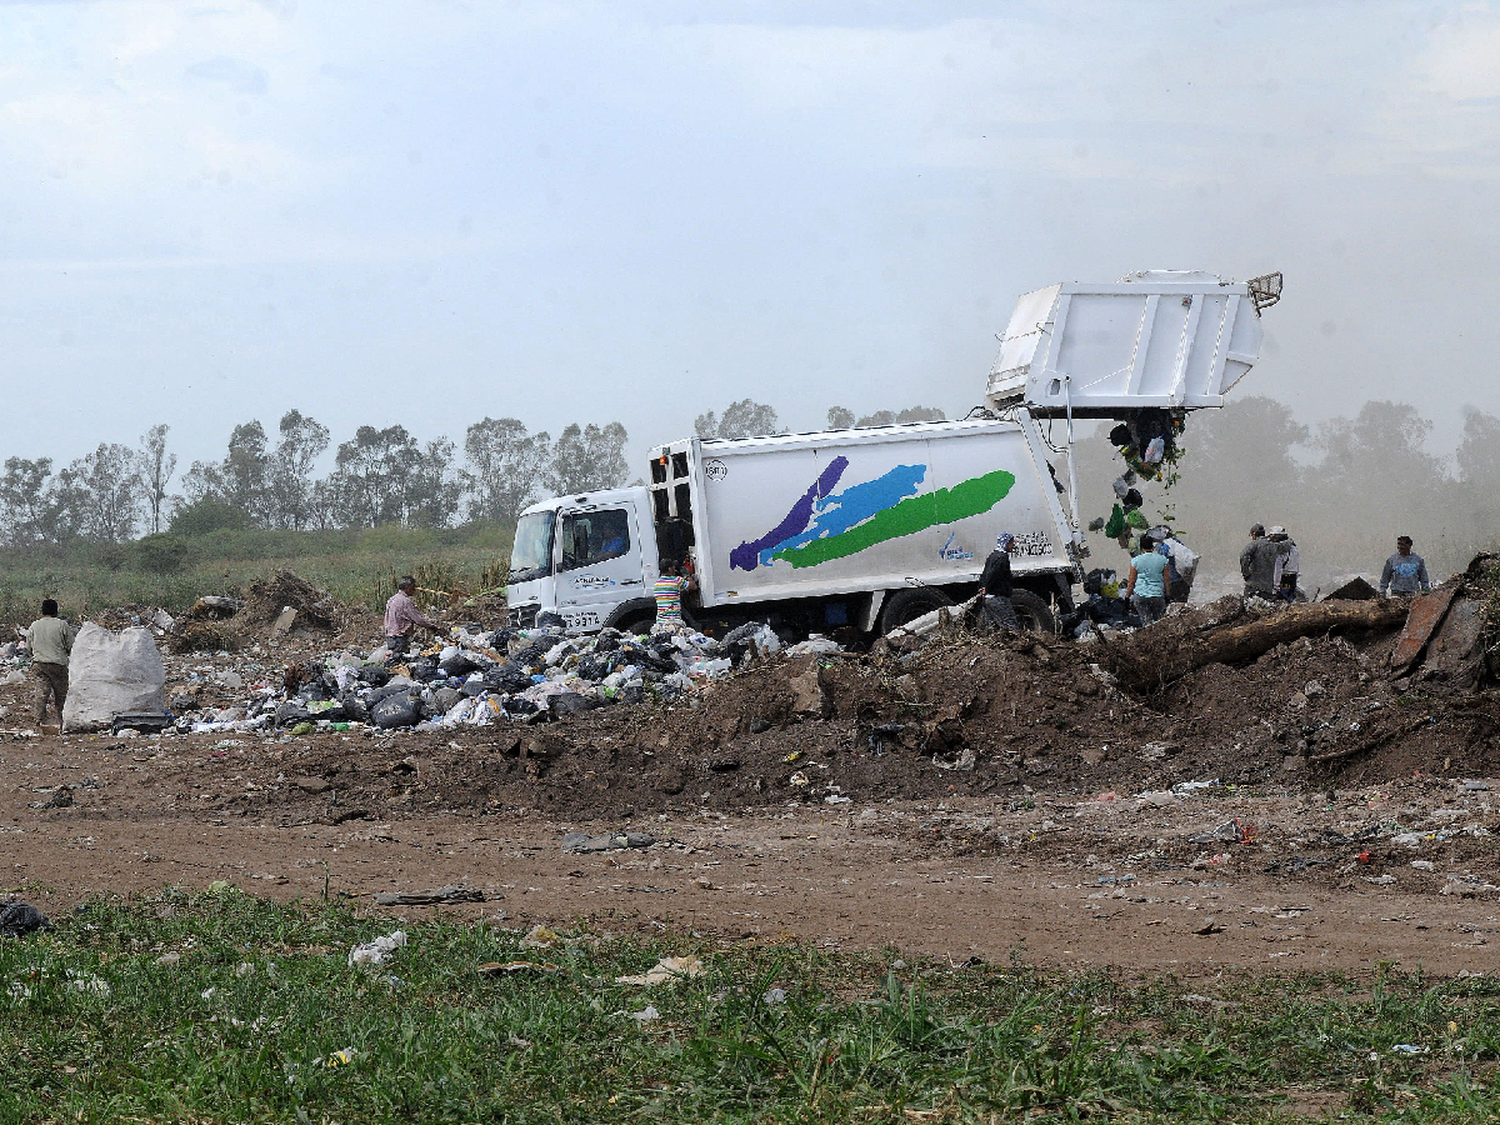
(221,1007)
(357,566)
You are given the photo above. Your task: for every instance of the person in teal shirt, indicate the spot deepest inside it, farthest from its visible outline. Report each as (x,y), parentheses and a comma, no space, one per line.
(1147,588)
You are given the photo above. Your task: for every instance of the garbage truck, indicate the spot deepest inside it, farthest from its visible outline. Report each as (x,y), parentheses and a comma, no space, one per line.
(869,528)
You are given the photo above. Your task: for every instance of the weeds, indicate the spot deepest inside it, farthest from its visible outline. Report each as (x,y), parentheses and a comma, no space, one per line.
(359,567)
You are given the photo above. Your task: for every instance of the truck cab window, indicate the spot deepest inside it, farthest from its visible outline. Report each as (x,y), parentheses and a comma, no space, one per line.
(531,555)
(594,537)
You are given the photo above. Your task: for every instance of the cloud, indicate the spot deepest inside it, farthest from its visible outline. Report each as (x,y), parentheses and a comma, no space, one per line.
(238,75)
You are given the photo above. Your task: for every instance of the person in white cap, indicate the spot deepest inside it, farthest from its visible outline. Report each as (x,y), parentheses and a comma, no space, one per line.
(1288,564)
(995,585)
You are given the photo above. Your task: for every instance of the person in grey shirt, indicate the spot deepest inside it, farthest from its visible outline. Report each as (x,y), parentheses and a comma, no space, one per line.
(1404,571)
(50,640)
(1258,564)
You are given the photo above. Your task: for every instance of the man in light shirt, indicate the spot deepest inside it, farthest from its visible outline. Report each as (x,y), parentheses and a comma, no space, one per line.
(50,640)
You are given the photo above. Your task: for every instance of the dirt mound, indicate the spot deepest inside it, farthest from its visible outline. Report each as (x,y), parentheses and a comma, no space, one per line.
(203,636)
(267,598)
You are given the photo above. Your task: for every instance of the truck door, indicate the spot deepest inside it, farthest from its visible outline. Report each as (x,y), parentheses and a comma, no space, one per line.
(599,564)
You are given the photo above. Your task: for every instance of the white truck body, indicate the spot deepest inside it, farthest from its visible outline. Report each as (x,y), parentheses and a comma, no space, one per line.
(840,517)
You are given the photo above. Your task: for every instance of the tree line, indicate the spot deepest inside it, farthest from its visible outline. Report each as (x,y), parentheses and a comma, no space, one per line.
(379,476)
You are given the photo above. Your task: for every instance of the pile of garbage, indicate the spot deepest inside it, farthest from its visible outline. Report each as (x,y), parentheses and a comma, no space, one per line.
(478,678)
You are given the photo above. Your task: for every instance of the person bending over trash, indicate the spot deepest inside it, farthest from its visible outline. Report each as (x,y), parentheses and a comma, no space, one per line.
(1404,571)
(668,590)
(402,617)
(995,587)
(1288,564)
(50,640)
(1147,585)
(1258,564)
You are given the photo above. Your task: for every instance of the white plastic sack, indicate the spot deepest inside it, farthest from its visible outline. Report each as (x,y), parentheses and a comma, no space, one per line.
(112,672)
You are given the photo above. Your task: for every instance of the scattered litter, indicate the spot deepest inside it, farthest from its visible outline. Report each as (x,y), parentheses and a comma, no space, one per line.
(376,952)
(1410,1049)
(18,919)
(668,968)
(500,968)
(646,1015)
(1467,886)
(1194,786)
(435,897)
(540,937)
(88,982)
(774,996)
(1231,831)
(62,798)
(611,841)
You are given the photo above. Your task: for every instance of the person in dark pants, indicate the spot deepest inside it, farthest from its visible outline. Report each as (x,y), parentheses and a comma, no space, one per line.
(1147,587)
(402,617)
(995,586)
(50,640)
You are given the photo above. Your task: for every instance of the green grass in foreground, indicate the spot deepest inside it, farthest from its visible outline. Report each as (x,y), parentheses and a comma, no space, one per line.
(258,1018)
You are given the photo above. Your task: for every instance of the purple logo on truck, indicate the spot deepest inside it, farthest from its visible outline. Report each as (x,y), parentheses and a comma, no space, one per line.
(747,555)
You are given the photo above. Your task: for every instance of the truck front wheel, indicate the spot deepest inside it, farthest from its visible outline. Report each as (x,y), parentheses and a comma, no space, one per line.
(1033,612)
(905,606)
(633,617)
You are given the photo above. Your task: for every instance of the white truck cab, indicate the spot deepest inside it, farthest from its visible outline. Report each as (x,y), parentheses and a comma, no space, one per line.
(584,558)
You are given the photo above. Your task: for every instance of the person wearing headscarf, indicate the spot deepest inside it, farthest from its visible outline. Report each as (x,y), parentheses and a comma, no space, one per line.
(1288,564)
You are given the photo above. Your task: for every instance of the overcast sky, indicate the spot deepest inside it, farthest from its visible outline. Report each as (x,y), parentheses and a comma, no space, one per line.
(430,212)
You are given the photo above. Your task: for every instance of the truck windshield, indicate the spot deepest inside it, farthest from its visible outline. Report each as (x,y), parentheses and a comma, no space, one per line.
(531,556)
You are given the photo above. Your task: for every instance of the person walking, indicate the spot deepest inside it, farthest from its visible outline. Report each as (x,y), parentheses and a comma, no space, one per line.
(1258,564)
(996,587)
(402,618)
(1404,571)
(50,641)
(1147,586)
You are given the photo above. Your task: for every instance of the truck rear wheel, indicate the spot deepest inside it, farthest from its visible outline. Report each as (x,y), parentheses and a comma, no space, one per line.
(1033,612)
(905,606)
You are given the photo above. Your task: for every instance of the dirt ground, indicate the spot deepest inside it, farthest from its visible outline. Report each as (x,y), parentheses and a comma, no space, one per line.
(976,798)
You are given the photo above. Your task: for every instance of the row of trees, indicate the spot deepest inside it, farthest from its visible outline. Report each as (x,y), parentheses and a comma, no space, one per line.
(1345,487)
(379,476)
